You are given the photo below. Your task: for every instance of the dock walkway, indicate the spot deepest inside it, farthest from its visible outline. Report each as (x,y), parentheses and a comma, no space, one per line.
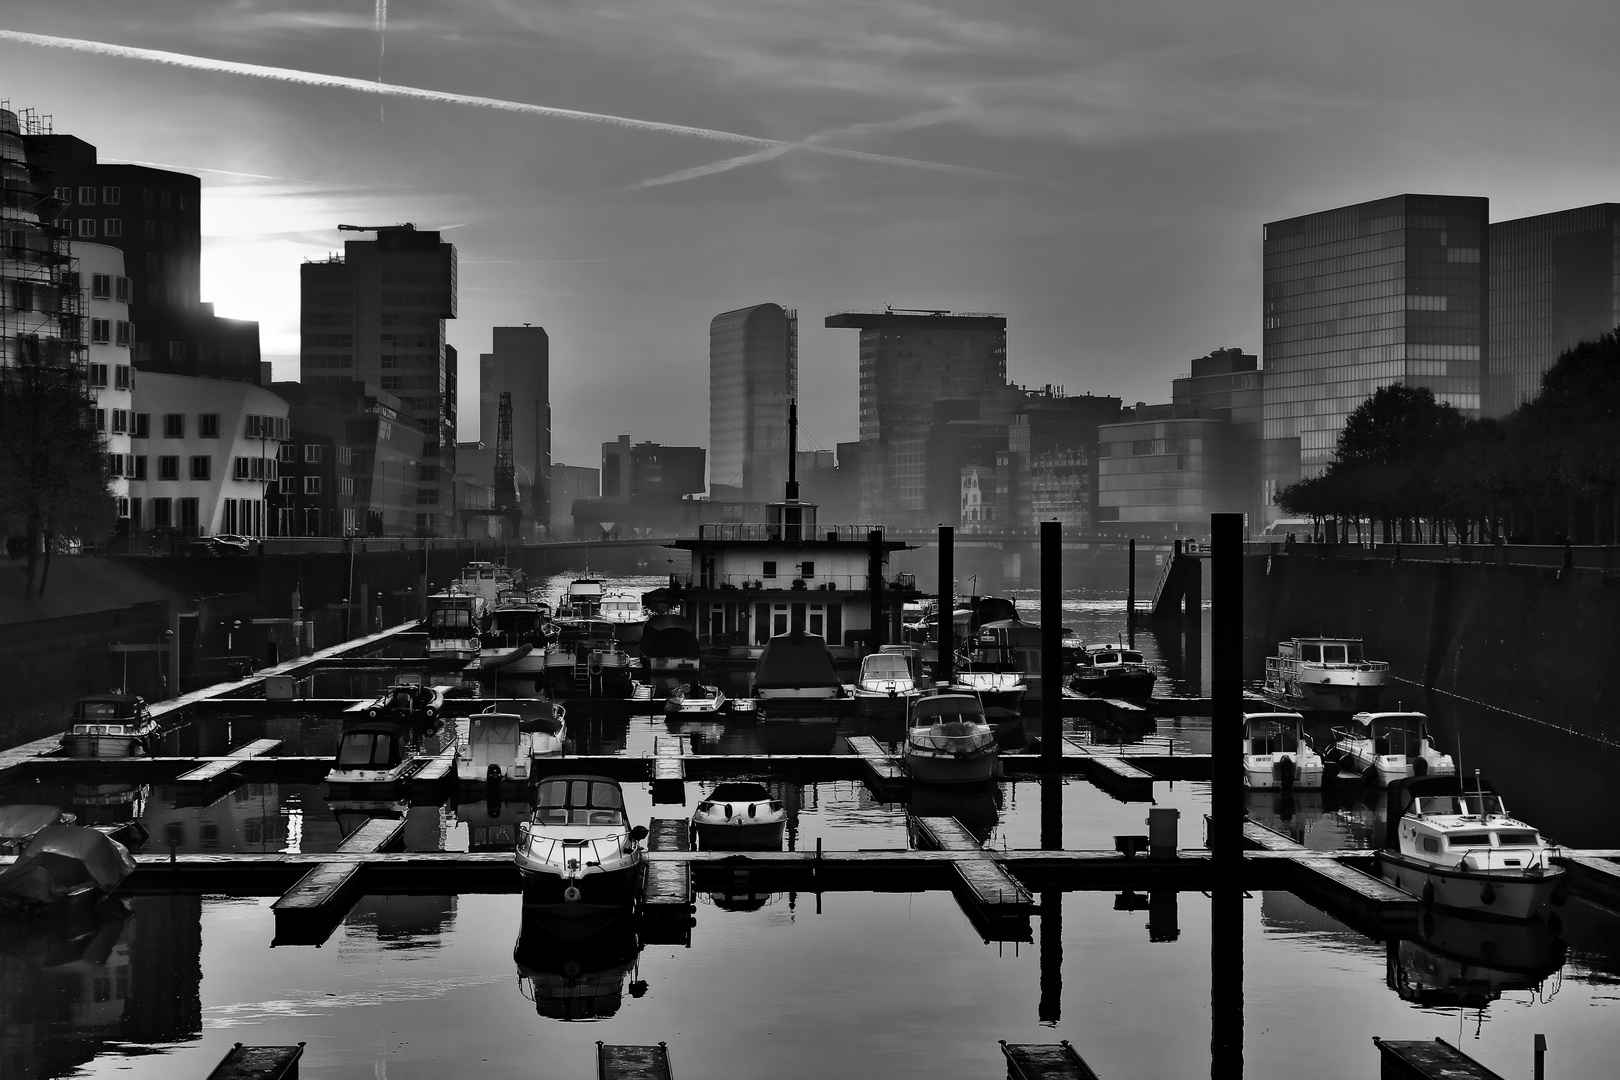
(1402,1059)
(667,898)
(883,773)
(669,768)
(996,903)
(1327,879)
(1045,1061)
(210,779)
(632,1062)
(1112,773)
(307,913)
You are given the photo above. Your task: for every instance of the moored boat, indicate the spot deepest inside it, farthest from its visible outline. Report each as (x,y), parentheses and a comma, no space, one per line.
(582,599)
(697,698)
(577,854)
(887,683)
(1383,747)
(1112,671)
(795,674)
(669,646)
(586,661)
(488,580)
(374,754)
(455,620)
(739,815)
(515,640)
(110,725)
(495,746)
(1276,754)
(407,702)
(1456,847)
(1324,674)
(63,865)
(949,740)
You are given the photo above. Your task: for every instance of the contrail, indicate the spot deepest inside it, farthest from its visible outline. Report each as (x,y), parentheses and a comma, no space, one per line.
(341,82)
(769,153)
(382,49)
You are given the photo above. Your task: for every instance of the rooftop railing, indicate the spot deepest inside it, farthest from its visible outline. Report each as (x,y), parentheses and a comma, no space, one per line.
(764,530)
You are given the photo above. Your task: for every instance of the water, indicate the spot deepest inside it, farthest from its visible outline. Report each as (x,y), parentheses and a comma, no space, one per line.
(801,986)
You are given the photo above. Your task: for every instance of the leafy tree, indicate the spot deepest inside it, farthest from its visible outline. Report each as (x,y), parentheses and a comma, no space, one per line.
(53,471)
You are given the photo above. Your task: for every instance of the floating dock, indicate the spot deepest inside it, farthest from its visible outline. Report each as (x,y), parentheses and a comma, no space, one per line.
(211,779)
(667,902)
(258,1063)
(883,774)
(1328,880)
(998,905)
(669,768)
(1045,1061)
(309,911)
(632,1062)
(1437,1060)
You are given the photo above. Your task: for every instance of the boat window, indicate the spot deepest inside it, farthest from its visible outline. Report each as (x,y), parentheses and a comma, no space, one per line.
(101,710)
(1333,654)
(1311,654)
(890,666)
(1469,839)
(1107,658)
(1480,804)
(1133,657)
(360,749)
(1516,838)
(1431,844)
(447,619)
(1354,653)
(1438,804)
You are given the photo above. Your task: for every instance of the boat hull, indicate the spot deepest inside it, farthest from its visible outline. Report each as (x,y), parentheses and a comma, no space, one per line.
(597,893)
(523,660)
(1133,686)
(882,705)
(950,769)
(105,746)
(760,837)
(1497,894)
(1264,774)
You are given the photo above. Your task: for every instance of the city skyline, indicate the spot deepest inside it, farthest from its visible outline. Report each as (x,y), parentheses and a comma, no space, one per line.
(1138,167)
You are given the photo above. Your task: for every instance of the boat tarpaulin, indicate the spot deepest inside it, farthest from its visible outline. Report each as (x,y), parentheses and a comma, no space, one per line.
(795,661)
(22,820)
(668,635)
(62,860)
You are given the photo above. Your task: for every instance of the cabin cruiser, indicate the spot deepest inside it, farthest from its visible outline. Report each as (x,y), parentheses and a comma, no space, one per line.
(669,646)
(454,623)
(374,753)
(110,725)
(621,607)
(1112,671)
(949,740)
(1387,746)
(1324,674)
(739,815)
(1003,662)
(577,854)
(887,683)
(515,640)
(694,698)
(582,599)
(487,580)
(63,865)
(586,661)
(493,746)
(1456,847)
(408,702)
(1276,754)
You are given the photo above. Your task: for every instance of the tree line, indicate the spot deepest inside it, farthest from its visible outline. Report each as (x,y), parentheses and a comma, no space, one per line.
(1409,468)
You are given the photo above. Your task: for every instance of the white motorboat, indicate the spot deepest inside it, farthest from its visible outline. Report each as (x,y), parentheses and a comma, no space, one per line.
(1456,847)
(375,753)
(739,815)
(110,725)
(582,599)
(488,580)
(1387,746)
(1276,754)
(407,702)
(694,698)
(887,683)
(515,640)
(455,620)
(1324,674)
(622,607)
(949,740)
(577,854)
(494,746)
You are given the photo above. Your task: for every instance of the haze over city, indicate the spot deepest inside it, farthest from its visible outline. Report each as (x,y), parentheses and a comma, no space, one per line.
(1098,173)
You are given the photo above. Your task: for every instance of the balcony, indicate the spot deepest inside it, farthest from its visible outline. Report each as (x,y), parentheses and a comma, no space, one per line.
(818,583)
(758,531)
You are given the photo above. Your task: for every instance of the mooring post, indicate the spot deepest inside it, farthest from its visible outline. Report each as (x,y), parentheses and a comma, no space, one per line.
(1226,796)
(874,580)
(1130,590)
(1049,1010)
(1052,644)
(945,625)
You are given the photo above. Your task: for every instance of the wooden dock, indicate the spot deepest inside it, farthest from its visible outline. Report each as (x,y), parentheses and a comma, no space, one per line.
(1401,1059)
(884,775)
(212,778)
(998,905)
(308,912)
(632,1062)
(1045,1061)
(669,768)
(1113,773)
(1329,881)
(427,783)
(1592,876)
(667,899)
(258,1063)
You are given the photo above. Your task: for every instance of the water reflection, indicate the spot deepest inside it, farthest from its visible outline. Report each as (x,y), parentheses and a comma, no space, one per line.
(577,970)
(974,805)
(1458,961)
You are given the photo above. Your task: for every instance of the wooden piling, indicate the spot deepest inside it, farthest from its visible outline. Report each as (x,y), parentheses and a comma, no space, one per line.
(1051,641)
(946,623)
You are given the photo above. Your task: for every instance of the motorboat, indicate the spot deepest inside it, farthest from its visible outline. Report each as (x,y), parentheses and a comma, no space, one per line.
(577,854)
(515,640)
(571,973)
(582,599)
(1324,674)
(887,683)
(409,702)
(488,580)
(621,607)
(63,865)
(739,815)
(1112,671)
(949,740)
(376,753)
(1003,660)
(694,698)
(1455,846)
(669,646)
(1387,746)
(1276,754)
(454,626)
(586,661)
(111,726)
(21,822)
(1461,960)
(796,667)
(495,746)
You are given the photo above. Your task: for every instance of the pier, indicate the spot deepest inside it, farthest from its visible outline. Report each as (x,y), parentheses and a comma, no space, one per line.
(1045,1061)
(307,913)
(632,1062)
(210,779)
(997,904)
(667,900)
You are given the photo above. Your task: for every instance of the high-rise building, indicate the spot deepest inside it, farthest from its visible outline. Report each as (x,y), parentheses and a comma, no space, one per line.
(40,300)
(1555,282)
(376,314)
(753,374)
(153,216)
(521,365)
(1360,297)
(909,360)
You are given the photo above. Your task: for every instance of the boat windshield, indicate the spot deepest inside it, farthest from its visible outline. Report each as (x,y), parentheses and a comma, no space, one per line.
(1272,737)
(516,620)
(1131,657)
(363,749)
(103,710)
(1397,735)
(885,666)
(579,801)
(1473,804)
(1518,838)
(447,621)
(1104,659)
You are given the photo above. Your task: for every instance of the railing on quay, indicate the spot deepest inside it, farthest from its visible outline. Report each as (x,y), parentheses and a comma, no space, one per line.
(1582,557)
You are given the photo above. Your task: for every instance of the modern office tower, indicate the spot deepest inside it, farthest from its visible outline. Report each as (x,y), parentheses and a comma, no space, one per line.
(1555,282)
(1390,291)
(753,374)
(105,292)
(521,365)
(376,314)
(383,448)
(40,300)
(154,217)
(909,360)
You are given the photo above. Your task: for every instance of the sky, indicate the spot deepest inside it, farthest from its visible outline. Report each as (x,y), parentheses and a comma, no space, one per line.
(1099,172)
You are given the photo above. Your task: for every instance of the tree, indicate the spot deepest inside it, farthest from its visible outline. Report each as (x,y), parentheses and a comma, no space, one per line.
(53,463)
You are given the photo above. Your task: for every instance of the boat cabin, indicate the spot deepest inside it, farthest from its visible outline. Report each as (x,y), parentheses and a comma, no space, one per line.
(373,746)
(1107,656)
(579,800)
(486,579)
(1008,645)
(1266,734)
(887,666)
(1391,733)
(111,714)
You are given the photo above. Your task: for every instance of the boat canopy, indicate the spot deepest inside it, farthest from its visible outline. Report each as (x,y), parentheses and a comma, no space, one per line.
(1010,633)
(885,666)
(793,661)
(1112,656)
(668,635)
(1272,733)
(1327,650)
(579,800)
(940,708)
(374,745)
(105,707)
(739,791)
(989,609)
(1438,795)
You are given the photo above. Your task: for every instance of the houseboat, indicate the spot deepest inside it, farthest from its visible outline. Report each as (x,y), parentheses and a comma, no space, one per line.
(109,725)
(1324,674)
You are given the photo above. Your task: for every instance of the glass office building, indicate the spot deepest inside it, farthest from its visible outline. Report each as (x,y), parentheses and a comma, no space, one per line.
(1357,298)
(1555,282)
(753,375)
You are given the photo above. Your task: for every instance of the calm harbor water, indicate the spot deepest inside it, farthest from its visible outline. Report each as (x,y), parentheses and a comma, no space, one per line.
(796,985)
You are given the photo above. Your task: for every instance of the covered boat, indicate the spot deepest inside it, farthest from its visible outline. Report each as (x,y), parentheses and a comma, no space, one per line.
(515,640)
(669,646)
(375,753)
(949,740)
(796,665)
(21,822)
(110,725)
(453,629)
(495,746)
(64,864)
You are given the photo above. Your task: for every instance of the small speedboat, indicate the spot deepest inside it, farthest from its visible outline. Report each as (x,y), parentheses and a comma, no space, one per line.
(1387,746)
(1276,754)
(694,698)
(376,753)
(887,683)
(739,815)
(949,740)
(495,746)
(110,725)
(1456,847)
(408,702)
(577,854)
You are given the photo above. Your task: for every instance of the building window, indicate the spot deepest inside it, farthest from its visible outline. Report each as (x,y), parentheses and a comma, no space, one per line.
(312,485)
(120,421)
(123,506)
(312,522)
(112,228)
(312,453)
(343,455)
(112,196)
(208,425)
(289,485)
(64,194)
(115,464)
(287,454)
(169,467)
(143,426)
(188,515)
(807,569)
(87,228)
(151,234)
(101,334)
(345,486)
(101,286)
(139,472)
(98,373)
(770,569)
(124,334)
(121,290)
(162,513)
(177,352)
(87,196)
(174,425)
(101,419)
(200,466)
(154,294)
(286,516)
(243,469)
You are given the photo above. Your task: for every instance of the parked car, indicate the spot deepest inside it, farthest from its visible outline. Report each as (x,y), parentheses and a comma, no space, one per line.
(231,544)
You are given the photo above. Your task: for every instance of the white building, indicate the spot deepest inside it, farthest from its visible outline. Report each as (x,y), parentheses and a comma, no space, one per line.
(108,336)
(205,455)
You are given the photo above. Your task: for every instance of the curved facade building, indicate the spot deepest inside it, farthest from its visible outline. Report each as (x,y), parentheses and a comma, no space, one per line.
(753,374)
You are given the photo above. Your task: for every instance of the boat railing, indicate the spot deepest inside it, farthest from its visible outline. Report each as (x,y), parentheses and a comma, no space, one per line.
(787,531)
(1294,664)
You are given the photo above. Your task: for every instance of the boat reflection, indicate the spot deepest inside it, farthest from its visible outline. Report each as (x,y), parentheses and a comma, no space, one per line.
(574,972)
(1458,960)
(741,900)
(976,806)
(491,824)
